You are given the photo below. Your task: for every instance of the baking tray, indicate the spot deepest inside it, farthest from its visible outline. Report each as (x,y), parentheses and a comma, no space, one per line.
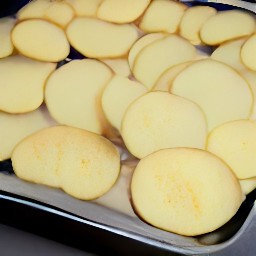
(95,226)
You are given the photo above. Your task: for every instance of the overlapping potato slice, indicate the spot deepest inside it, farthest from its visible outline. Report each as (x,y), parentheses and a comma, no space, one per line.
(119,66)
(22,83)
(159,120)
(218,89)
(248,53)
(181,190)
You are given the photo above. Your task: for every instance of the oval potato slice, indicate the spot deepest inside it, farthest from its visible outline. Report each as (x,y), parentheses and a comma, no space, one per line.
(248,53)
(159,120)
(181,190)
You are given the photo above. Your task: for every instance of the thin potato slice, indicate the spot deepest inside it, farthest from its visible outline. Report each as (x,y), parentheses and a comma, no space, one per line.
(218,89)
(73,92)
(248,185)
(22,83)
(95,38)
(181,190)
(40,40)
(227,25)
(159,120)
(162,16)
(119,66)
(117,96)
(248,53)
(235,143)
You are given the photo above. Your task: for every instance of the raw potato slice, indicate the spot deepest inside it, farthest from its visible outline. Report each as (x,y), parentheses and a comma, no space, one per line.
(159,120)
(14,128)
(160,55)
(119,66)
(117,96)
(181,190)
(22,83)
(227,25)
(235,143)
(121,11)
(100,39)
(6,46)
(40,40)
(85,165)
(193,20)
(73,92)
(248,53)
(218,89)
(140,44)
(248,185)
(162,16)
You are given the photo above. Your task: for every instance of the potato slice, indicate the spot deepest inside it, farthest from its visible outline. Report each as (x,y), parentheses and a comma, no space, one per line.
(160,55)
(119,66)
(181,190)
(248,185)
(40,40)
(218,89)
(100,39)
(227,25)
(85,165)
(162,16)
(22,83)
(128,10)
(6,25)
(193,20)
(14,128)
(235,143)
(248,53)
(159,120)
(73,92)
(117,96)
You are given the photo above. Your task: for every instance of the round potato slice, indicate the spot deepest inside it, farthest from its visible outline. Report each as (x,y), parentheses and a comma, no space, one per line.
(248,53)
(218,89)
(248,185)
(185,191)
(160,120)
(227,25)
(85,165)
(22,83)
(40,40)
(95,38)
(235,143)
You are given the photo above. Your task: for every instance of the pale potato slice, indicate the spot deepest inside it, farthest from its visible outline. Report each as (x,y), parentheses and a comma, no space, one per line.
(248,185)
(73,92)
(100,39)
(22,83)
(162,16)
(41,40)
(160,55)
(140,44)
(181,190)
(193,20)
(235,143)
(227,25)
(121,11)
(119,66)
(218,89)
(6,46)
(248,53)
(15,127)
(85,165)
(117,96)
(159,120)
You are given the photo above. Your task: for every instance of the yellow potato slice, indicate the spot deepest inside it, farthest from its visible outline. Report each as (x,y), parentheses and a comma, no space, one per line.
(121,11)
(160,55)
(227,25)
(6,46)
(248,53)
(193,20)
(159,120)
(119,66)
(15,127)
(162,16)
(40,40)
(235,143)
(218,89)
(117,96)
(181,190)
(22,83)
(73,92)
(95,38)
(248,185)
